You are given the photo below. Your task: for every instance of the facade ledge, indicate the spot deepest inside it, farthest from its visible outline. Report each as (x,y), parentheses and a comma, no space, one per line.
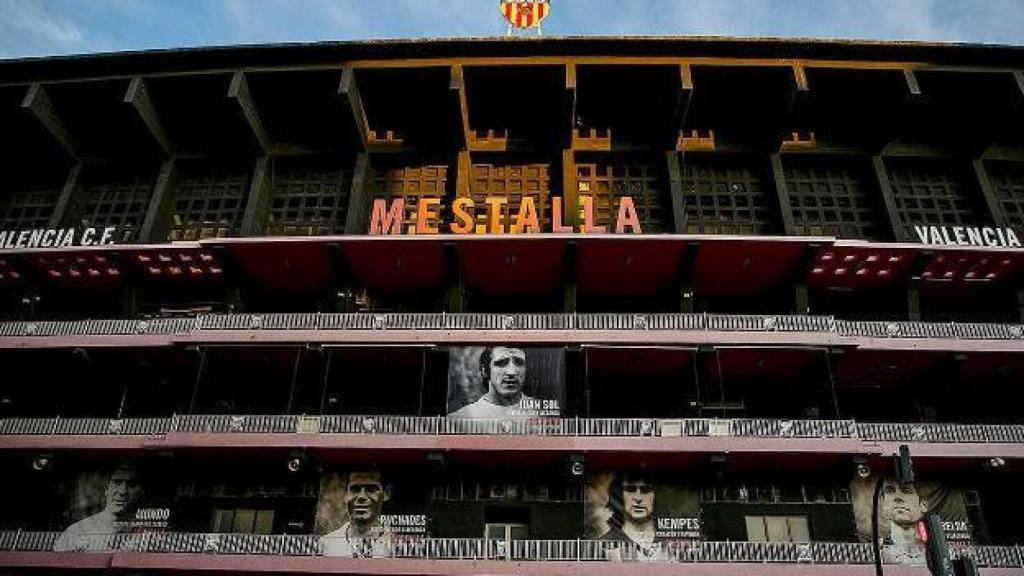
(402,434)
(239,564)
(440,328)
(246,553)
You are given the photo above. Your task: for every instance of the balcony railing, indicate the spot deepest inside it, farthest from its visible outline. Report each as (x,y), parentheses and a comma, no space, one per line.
(573,427)
(533,322)
(831,553)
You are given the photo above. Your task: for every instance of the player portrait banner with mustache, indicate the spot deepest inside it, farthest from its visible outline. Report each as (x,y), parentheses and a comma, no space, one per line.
(651,517)
(107,502)
(901,508)
(360,514)
(506,382)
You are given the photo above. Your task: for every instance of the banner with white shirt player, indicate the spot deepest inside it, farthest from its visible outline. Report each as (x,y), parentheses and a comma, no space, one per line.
(642,515)
(106,503)
(361,514)
(902,508)
(506,382)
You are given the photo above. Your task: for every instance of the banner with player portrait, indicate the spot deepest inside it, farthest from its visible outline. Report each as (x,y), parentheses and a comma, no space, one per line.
(106,502)
(901,508)
(506,382)
(653,518)
(360,513)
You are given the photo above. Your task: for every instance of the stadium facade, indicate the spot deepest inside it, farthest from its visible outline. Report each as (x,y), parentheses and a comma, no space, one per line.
(553,306)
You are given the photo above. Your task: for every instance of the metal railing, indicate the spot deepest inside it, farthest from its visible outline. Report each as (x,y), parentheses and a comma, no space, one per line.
(575,427)
(541,322)
(831,553)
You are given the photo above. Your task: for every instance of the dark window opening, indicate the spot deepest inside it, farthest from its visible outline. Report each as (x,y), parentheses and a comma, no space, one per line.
(209,202)
(727,195)
(310,198)
(831,198)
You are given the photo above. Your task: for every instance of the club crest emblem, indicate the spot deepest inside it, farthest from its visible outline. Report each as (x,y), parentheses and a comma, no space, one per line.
(525,13)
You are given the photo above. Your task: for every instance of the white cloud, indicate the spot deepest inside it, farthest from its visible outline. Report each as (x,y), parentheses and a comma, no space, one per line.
(29,23)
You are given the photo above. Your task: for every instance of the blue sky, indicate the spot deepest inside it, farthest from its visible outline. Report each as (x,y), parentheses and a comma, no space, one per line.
(44,27)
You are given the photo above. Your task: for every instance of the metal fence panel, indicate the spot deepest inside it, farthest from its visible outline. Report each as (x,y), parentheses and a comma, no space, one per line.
(823,553)
(994,556)
(82,426)
(484,321)
(290,321)
(27,426)
(977,331)
(741,322)
(794,428)
(145,426)
(201,424)
(168,326)
(610,321)
(805,323)
(36,541)
(414,322)
(545,322)
(10,329)
(926,330)
(866,329)
(676,322)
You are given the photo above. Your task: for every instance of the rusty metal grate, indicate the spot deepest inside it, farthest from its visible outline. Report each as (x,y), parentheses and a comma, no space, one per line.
(309,201)
(410,182)
(606,183)
(121,203)
(1008,185)
(930,194)
(513,182)
(209,204)
(726,196)
(830,200)
(27,208)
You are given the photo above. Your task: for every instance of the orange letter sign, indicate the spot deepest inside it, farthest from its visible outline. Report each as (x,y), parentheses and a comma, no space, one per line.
(494,205)
(426,212)
(385,221)
(588,217)
(627,217)
(556,217)
(526,220)
(463,220)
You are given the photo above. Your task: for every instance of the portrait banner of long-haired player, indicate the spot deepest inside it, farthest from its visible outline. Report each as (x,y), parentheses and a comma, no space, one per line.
(901,508)
(646,512)
(506,382)
(360,514)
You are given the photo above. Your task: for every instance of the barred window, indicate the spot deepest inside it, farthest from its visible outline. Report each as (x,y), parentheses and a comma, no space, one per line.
(410,182)
(513,182)
(209,204)
(309,201)
(1008,185)
(726,196)
(26,208)
(606,183)
(930,193)
(830,200)
(117,202)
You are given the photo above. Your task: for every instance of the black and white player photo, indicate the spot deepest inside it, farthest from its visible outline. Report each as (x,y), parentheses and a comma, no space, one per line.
(900,508)
(359,516)
(505,382)
(641,510)
(119,498)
